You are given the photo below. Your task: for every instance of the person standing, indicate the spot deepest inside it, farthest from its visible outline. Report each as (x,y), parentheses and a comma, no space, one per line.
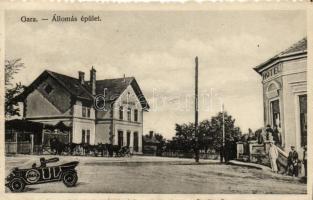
(221,148)
(293,160)
(196,149)
(273,155)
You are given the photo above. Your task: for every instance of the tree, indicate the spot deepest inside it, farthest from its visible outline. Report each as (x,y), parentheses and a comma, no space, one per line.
(161,145)
(12,90)
(210,133)
(216,129)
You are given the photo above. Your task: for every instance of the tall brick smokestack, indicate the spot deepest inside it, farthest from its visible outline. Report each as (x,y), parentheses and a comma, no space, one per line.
(93,81)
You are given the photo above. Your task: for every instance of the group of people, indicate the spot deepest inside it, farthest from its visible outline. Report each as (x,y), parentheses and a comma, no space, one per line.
(293,161)
(270,134)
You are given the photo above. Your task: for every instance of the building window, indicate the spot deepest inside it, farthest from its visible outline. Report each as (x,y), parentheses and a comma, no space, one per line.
(84,111)
(88,112)
(121,112)
(303,118)
(136,141)
(128,138)
(129,114)
(83,136)
(48,89)
(88,137)
(120,138)
(136,115)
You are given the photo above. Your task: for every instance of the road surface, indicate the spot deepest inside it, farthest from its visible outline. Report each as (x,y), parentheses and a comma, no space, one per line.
(162,175)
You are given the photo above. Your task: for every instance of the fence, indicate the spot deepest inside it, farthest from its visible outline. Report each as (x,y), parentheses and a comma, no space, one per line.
(202,155)
(18,147)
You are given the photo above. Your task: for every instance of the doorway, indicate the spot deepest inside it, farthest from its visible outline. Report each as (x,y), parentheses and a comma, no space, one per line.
(120,138)
(275,112)
(136,141)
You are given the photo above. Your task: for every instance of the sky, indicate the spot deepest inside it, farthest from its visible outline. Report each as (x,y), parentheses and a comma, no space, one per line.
(158,48)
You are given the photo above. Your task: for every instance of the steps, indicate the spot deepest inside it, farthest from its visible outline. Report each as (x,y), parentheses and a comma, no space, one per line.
(282,160)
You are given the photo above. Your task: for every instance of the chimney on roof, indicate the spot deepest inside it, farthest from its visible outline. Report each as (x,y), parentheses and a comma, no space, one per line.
(93,81)
(150,134)
(81,77)
(124,78)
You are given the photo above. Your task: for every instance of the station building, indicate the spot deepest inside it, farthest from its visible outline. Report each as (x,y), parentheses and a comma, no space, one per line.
(54,98)
(284,80)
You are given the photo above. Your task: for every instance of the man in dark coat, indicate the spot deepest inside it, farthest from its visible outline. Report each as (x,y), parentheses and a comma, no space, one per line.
(195,146)
(293,161)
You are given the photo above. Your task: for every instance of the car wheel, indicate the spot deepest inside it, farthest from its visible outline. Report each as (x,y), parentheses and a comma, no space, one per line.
(17,185)
(70,179)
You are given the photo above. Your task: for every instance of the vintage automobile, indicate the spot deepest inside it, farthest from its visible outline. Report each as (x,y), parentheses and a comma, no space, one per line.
(19,178)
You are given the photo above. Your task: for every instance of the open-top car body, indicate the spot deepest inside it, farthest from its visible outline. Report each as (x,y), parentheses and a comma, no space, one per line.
(19,178)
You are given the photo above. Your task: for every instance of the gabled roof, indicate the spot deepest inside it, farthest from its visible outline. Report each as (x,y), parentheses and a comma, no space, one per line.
(72,85)
(297,49)
(300,46)
(115,87)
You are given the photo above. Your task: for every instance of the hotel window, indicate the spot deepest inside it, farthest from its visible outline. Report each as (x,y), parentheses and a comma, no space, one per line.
(303,119)
(136,115)
(129,113)
(121,112)
(88,137)
(84,111)
(83,136)
(48,89)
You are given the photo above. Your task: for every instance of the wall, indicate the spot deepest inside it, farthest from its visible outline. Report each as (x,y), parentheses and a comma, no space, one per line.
(128,99)
(37,105)
(59,97)
(294,82)
(56,103)
(103,132)
(127,127)
(290,81)
(80,123)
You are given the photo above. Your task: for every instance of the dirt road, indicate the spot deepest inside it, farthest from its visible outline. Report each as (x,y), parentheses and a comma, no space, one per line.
(163,175)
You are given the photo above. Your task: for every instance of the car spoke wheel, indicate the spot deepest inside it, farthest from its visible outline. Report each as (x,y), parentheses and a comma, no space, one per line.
(17,185)
(70,179)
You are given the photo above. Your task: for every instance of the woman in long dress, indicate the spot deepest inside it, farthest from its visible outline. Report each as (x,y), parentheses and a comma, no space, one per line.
(273,155)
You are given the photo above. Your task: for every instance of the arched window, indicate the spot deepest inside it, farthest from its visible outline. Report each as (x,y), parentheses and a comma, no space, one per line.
(273,86)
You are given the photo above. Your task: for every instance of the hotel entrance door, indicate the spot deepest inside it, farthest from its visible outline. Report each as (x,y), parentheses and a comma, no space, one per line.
(275,111)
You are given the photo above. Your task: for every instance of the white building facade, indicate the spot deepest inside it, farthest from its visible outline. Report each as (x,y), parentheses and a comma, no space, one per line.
(284,79)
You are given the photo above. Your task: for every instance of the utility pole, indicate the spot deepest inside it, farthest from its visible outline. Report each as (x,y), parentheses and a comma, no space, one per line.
(223,125)
(196,147)
(223,136)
